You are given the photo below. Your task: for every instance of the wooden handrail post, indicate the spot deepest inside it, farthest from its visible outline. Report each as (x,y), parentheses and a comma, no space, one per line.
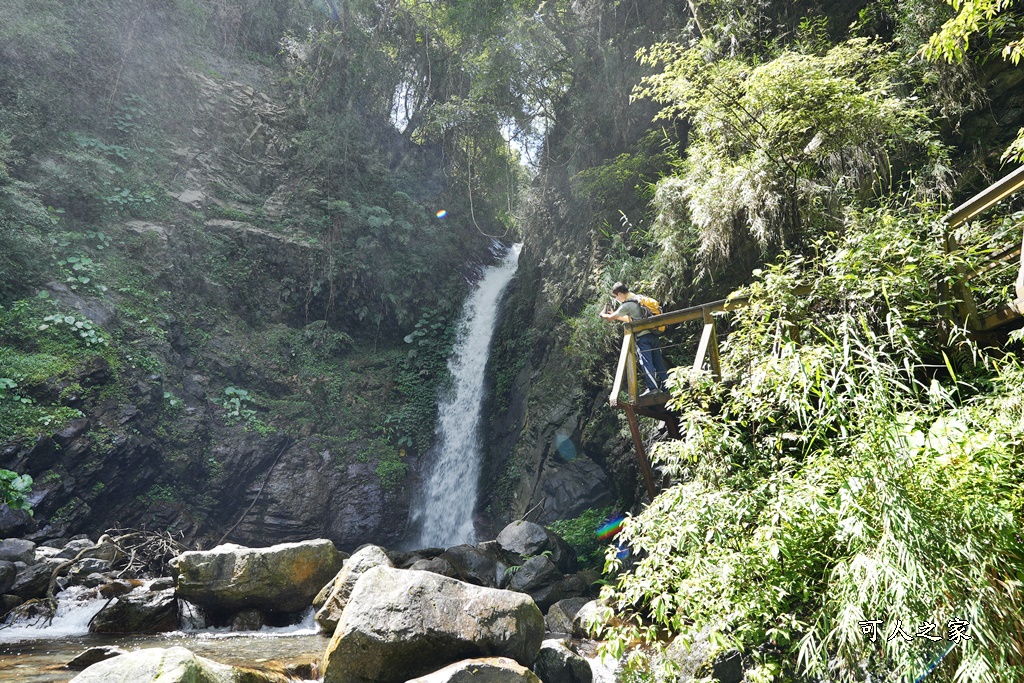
(620,369)
(641,454)
(631,369)
(708,348)
(1020,277)
(965,305)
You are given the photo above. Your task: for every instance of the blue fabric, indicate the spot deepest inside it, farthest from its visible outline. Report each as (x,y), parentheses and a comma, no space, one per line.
(652,365)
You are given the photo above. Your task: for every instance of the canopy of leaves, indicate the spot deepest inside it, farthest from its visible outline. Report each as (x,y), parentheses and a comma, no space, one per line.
(779,148)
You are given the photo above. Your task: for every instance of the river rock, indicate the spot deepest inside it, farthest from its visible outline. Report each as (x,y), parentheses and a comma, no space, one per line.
(33,580)
(72,548)
(8,572)
(94,655)
(540,578)
(140,611)
(341,585)
(17,550)
(556,663)
(247,620)
(559,617)
(404,623)
(593,613)
(281,578)
(157,665)
(529,539)
(473,566)
(483,670)
(437,565)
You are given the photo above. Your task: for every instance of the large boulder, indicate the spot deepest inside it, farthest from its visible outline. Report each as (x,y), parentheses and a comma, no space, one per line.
(94,655)
(540,578)
(560,615)
(473,566)
(8,572)
(171,665)
(399,624)
(484,670)
(141,611)
(437,565)
(157,665)
(556,663)
(529,539)
(33,580)
(17,550)
(281,578)
(340,587)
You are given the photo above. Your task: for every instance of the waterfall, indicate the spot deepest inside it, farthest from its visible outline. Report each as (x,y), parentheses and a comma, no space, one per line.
(443,511)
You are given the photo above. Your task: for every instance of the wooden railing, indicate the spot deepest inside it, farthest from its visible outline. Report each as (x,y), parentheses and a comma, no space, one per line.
(708,349)
(653,406)
(972,208)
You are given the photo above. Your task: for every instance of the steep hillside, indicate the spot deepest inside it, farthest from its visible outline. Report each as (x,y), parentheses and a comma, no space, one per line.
(212,253)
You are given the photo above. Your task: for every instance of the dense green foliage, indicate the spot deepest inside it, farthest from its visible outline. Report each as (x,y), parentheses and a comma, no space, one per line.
(851,473)
(860,462)
(581,533)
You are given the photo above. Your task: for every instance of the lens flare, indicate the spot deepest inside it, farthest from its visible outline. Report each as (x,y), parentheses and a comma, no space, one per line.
(442,213)
(609,529)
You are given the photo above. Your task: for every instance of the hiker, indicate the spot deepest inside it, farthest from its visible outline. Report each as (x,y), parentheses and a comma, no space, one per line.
(648,347)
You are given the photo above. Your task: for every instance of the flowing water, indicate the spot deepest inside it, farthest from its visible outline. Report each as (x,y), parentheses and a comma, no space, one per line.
(36,653)
(443,512)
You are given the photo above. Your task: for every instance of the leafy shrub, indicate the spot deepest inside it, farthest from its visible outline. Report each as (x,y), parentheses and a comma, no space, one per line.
(581,533)
(14,490)
(850,477)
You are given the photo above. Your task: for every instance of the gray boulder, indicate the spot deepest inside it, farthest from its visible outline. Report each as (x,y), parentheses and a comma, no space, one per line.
(403,623)
(540,578)
(484,670)
(473,566)
(8,572)
(437,565)
(529,539)
(171,665)
(591,615)
(556,663)
(247,620)
(140,611)
(560,615)
(33,580)
(157,665)
(281,578)
(341,585)
(73,548)
(17,550)
(94,655)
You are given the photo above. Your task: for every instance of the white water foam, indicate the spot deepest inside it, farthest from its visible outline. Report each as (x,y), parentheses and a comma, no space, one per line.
(443,512)
(76,607)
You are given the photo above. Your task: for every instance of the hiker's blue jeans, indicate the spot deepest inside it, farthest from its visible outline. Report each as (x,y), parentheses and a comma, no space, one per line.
(652,365)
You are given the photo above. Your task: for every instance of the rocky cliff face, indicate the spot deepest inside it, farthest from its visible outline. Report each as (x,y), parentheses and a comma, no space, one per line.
(227,397)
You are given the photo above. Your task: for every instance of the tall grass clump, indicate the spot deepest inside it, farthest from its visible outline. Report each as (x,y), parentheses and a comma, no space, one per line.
(859,471)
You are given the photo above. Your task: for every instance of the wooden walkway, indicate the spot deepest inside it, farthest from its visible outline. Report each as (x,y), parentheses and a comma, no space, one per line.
(707,357)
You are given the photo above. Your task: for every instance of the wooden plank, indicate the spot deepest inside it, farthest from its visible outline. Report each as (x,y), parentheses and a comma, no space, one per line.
(631,370)
(999,318)
(702,348)
(985,199)
(688,314)
(641,454)
(965,305)
(715,358)
(620,370)
(1020,274)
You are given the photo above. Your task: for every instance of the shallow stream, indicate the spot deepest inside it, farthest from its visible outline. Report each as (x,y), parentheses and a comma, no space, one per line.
(34,653)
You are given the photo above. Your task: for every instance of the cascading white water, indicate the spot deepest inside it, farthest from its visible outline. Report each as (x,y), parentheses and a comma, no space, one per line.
(443,511)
